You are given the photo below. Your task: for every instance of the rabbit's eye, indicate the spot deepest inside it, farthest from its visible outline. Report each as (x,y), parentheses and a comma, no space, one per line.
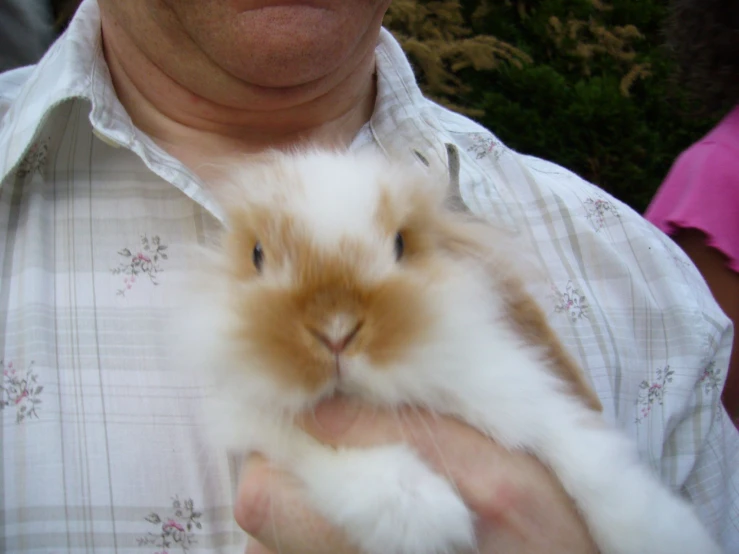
(257,256)
(399,246)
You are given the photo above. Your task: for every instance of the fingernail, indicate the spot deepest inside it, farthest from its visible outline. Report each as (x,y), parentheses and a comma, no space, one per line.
(332,418)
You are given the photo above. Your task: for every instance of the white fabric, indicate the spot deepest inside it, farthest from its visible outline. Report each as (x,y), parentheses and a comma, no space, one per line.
(101,451)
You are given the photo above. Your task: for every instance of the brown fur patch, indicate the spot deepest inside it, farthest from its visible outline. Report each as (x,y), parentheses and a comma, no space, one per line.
(468,237)
(278,323)
(386,214)
(530,321)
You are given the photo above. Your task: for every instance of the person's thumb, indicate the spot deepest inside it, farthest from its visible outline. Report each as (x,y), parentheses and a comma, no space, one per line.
(271,508)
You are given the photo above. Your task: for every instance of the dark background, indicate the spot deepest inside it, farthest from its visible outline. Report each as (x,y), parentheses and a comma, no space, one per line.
(588,84)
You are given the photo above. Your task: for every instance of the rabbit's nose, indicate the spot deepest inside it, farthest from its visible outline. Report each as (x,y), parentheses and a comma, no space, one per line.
(338,334)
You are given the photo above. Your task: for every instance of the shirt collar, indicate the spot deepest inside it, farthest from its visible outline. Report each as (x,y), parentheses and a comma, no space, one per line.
(403,120)
(75,68)
(65,72)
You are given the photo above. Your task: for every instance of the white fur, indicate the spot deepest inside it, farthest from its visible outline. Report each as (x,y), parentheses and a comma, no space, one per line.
(371,493)
(473,366)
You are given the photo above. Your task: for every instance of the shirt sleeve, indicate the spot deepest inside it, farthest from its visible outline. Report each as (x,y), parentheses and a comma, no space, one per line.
(713,483)
(640,319)
(701,192)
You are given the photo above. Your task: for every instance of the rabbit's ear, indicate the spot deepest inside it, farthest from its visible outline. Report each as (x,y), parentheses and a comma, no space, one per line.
(530,321)
(466,237)
(505,261)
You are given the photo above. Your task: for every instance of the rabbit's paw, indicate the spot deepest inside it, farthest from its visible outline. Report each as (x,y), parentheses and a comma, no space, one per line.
(389,502)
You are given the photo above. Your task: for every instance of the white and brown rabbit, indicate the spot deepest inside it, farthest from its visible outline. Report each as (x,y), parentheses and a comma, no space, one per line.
(344,272)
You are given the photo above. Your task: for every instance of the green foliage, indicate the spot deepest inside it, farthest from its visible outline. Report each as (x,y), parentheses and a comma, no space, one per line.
(437,39)
(589,86)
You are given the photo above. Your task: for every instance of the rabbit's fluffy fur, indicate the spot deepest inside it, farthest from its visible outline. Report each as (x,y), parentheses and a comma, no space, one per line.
(438,318)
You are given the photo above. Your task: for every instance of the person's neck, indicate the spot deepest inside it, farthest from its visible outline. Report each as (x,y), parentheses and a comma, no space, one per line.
(198,129)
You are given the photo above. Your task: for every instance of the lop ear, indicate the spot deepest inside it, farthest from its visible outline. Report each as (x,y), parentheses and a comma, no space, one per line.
(466,236)
(530,321)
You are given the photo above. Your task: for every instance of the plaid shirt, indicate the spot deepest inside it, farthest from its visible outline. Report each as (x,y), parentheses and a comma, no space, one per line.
(102,450)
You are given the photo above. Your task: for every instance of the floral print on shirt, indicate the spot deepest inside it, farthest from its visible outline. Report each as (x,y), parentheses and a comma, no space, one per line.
(139,262)
(598,209)
(20,391)
(483,146)
(710,380)
(649,393)
(175,529)
(571,302)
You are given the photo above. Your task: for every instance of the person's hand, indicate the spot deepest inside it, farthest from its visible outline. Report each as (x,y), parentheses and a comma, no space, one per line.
(521,507)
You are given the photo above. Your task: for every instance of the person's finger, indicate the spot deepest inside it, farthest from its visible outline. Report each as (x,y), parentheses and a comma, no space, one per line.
(452,449)
(270,507)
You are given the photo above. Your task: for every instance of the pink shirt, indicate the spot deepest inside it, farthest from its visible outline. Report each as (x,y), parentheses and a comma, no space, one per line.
(701,190)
